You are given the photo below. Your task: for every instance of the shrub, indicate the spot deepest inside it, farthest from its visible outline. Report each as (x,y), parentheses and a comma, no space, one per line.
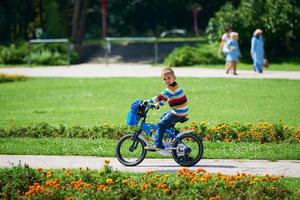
(188,56)
(41,54)
(11,78)
(16,181)
(12,54)
(236,132)
(110,184)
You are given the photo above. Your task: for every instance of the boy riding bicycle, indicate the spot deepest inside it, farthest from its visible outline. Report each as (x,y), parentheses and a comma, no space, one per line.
(176,98)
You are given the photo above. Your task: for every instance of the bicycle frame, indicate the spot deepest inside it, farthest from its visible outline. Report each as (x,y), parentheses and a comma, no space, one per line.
(150,128)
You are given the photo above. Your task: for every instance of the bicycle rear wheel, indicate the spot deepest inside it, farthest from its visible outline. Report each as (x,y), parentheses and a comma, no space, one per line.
(130,152)
(189,150)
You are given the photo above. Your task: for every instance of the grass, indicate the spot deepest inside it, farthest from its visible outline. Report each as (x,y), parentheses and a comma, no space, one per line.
(248,66)
(106,148)
(88,102)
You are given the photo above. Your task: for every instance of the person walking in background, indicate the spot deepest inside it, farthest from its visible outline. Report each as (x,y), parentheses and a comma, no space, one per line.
(257,51)
(233,53)
(224,39)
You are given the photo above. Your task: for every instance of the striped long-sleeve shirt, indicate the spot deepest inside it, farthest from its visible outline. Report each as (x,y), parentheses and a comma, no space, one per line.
(176,99)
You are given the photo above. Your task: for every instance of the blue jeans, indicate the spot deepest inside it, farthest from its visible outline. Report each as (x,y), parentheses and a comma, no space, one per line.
(258,67)
(165,122)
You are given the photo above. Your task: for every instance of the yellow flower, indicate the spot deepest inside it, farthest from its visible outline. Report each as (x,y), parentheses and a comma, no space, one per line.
(49,174)
(107,161)
(125,181)
(39,169)
(109,181)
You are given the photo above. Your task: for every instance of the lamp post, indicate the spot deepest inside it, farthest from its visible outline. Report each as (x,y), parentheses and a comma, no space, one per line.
(103,6)
(195,9)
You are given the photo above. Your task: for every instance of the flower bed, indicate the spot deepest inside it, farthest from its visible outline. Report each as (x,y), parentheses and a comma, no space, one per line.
(237,132)
(11,77)
(26,183)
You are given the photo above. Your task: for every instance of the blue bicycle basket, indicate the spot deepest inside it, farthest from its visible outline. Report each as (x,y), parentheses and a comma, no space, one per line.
(132,117)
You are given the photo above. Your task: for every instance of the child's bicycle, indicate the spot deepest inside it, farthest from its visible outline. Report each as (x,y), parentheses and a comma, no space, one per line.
(185,147)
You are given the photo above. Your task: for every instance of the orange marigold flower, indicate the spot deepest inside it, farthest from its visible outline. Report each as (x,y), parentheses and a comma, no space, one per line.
(69,198)
(215,197)
(205,177)
(87,185)
(149,172)
(227,140)
(144,187)
(166,190)
(102,187)
(218,174)
(200,170)
(132,183)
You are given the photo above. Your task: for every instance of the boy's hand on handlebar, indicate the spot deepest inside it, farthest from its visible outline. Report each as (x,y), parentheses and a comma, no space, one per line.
(145,102)
(156,107)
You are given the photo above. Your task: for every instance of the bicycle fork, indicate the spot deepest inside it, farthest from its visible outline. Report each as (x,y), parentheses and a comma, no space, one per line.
(135,141)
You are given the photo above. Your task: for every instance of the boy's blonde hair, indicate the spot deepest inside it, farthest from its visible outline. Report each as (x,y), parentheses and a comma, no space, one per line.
(234,35)
(167,71)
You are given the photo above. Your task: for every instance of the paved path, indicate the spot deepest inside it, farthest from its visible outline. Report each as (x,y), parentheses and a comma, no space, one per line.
(139,70)
(259,167)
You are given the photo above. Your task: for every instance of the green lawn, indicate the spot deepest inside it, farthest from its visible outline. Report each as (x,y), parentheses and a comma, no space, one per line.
(106,148)
(248,66)
(88,102)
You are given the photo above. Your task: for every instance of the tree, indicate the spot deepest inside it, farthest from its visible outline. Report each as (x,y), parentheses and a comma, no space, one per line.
(279,20)
(78,20)
(54,24)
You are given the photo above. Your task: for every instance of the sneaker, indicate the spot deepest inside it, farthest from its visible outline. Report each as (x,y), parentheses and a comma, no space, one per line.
(154,148)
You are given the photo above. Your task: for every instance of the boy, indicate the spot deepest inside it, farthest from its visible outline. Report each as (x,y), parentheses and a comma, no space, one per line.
(176,99)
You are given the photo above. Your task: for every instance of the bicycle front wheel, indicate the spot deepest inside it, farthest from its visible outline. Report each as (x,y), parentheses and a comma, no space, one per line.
(189,150)
(130,152)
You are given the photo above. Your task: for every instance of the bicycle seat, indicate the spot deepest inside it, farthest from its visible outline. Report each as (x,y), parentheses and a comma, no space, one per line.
(182,120)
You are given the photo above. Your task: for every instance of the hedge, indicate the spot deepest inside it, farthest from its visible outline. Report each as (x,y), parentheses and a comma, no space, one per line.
(236,132)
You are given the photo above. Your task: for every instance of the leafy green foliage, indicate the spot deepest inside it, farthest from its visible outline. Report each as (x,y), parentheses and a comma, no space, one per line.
(277,18)
(110,184)
(189,56)
(55,25)
(41,54)
(260,133)
(15,181)
(13,54)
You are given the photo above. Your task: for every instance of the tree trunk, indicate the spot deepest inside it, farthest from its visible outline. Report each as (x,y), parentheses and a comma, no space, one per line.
(78,21)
